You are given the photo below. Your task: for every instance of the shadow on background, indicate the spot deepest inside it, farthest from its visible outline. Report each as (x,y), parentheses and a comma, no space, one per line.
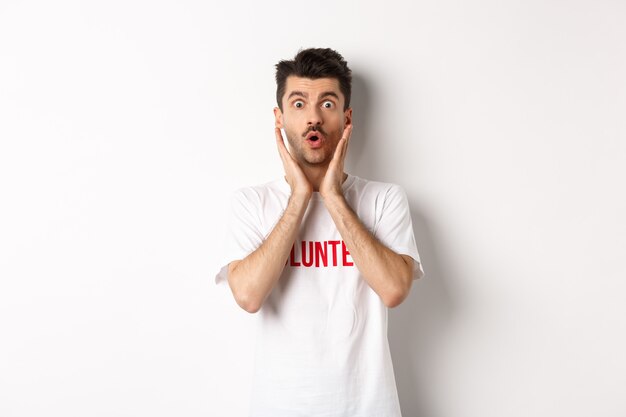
(416,326)
(357,160)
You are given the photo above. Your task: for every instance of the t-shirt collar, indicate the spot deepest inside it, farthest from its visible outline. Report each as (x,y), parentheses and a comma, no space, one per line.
(316,195)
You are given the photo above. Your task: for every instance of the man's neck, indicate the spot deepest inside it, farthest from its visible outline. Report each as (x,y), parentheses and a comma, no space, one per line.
(315,175)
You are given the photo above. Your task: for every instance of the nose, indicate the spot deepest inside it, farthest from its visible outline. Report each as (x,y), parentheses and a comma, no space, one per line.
(314,116)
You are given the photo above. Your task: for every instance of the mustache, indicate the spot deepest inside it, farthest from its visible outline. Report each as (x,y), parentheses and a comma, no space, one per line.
(314,129)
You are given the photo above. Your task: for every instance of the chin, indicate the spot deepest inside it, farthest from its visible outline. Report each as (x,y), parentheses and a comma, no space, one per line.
(316,161)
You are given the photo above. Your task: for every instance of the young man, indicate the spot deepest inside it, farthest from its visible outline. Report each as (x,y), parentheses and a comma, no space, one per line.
(321,255)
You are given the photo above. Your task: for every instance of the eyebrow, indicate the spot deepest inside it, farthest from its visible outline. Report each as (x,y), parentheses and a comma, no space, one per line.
(304,95)
(330,93)
(298,94)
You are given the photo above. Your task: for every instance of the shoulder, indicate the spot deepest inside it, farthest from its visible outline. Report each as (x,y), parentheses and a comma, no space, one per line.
(377,189)
(257,194)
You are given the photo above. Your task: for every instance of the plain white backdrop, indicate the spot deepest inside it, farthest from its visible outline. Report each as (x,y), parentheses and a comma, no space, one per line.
(125,126)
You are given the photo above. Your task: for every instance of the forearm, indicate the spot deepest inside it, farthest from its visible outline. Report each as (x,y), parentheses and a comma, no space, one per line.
(387,273)
(252,278)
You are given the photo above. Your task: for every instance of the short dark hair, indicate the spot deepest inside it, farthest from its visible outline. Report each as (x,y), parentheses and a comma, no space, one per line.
(315,63)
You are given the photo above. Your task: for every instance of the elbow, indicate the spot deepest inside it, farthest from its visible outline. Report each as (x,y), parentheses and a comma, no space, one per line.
(252,308)
(396,295)
(247,303)
(244,297)
(395,298)
(401,286)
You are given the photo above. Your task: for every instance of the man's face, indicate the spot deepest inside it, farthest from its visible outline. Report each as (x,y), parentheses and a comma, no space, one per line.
(313,118)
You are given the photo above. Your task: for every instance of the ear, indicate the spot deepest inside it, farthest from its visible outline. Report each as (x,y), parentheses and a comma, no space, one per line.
(347,117)
(278,118)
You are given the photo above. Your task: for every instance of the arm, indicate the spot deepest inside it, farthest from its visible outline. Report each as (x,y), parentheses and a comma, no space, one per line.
(251,279)
(389,274)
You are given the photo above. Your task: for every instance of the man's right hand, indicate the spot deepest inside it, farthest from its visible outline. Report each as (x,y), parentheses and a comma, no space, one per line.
(294,175)
(252,279)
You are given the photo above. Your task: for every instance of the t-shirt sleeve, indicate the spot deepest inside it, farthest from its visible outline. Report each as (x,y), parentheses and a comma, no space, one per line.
(395,229)
(244,234)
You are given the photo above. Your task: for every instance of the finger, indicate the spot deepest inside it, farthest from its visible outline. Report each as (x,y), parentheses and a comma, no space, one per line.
(343,143)
(347,132)
(280,142)
(348,135)
(337,161)
(279,136)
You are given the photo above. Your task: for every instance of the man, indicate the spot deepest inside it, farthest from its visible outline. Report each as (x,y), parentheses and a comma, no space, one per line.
(321,255)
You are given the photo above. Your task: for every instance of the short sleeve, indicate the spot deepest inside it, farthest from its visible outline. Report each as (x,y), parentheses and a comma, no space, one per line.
(244,234)
(395,229)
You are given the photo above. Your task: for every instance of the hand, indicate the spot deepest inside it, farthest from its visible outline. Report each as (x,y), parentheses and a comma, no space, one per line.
(332,183)
(296,179)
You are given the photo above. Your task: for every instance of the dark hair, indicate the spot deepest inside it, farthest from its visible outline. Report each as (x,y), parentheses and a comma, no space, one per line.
(315,63)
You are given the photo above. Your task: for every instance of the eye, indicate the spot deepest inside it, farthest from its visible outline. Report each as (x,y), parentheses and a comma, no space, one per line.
(328,104)
(298,104)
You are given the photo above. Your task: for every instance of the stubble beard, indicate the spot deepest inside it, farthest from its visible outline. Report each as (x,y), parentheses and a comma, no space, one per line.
(301,154)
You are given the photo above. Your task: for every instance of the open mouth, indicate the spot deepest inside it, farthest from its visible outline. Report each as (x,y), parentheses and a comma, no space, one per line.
(314,136)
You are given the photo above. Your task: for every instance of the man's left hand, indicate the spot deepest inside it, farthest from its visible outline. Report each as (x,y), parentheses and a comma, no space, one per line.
(333,180)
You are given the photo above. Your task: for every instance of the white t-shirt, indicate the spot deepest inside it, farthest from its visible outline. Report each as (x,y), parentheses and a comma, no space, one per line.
(322,347)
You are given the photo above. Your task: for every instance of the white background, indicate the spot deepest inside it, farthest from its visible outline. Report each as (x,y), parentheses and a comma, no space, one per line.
(125,126)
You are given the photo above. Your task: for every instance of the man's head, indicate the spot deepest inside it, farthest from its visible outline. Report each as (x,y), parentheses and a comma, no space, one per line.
(315,63)
(313,95)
